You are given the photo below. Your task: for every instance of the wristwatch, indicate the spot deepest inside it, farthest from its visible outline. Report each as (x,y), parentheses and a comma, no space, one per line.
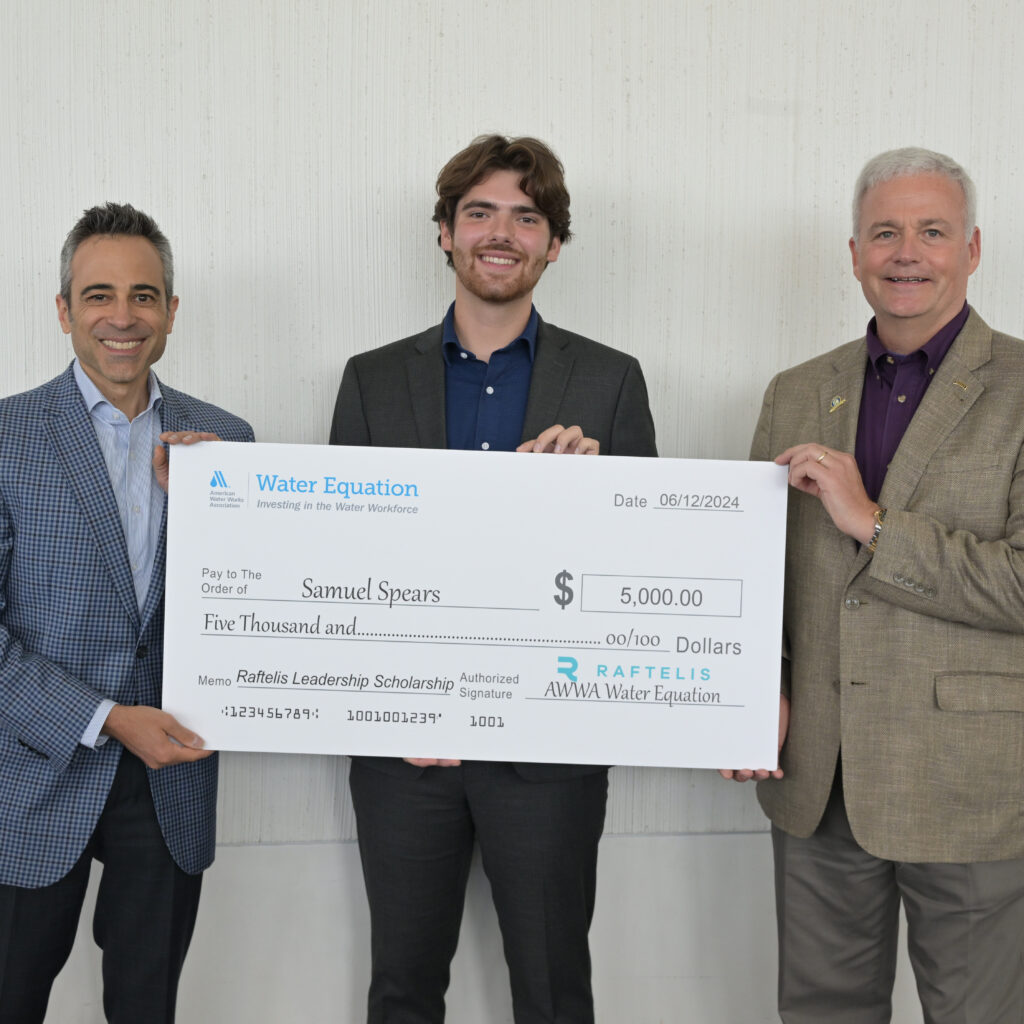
(879,519)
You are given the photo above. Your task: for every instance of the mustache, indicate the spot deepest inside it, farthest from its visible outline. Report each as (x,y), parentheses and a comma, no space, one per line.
(498,247)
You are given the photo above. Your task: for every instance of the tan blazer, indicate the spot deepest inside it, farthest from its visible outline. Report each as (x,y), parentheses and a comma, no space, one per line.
(911,660)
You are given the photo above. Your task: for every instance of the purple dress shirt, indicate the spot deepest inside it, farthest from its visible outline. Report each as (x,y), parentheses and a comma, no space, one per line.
(893,388)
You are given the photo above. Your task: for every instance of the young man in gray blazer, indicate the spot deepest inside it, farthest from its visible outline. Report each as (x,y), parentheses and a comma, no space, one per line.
(493,377)
(903,677)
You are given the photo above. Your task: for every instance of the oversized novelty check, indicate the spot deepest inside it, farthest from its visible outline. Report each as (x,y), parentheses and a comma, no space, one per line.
(467,605)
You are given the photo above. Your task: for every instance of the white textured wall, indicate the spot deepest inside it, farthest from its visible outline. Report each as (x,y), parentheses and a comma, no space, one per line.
(289,151)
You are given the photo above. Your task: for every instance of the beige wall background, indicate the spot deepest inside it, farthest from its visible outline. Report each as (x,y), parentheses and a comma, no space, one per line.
(289,152)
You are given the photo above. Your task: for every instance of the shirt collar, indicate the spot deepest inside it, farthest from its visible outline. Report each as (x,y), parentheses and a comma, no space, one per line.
(452,348)
(933,350)
(98,405)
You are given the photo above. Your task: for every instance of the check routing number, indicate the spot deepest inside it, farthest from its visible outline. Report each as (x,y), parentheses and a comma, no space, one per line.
(454,604)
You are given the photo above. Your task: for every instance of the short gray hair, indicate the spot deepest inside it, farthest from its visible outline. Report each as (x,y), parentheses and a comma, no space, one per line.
(899,163)
(115,219)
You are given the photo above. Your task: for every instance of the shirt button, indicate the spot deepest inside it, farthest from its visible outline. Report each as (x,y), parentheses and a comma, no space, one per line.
(136,509)
(890,360)
(852,603)
(485,446)
(489,390)
(465,355)
(901,399)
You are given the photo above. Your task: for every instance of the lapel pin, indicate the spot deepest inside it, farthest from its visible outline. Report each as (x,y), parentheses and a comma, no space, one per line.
(960,384)
(837,401)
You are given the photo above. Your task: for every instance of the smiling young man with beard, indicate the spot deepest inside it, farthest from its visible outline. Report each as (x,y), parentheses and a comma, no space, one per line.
(492,377)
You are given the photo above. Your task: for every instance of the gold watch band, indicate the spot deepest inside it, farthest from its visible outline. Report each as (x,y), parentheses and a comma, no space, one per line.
(879,519)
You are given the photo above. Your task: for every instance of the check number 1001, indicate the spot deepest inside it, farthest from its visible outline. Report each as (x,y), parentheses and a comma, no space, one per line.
(487,721)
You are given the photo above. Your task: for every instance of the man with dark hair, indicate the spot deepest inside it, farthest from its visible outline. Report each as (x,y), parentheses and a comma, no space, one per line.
(492,377)
(904,630)
(90,767)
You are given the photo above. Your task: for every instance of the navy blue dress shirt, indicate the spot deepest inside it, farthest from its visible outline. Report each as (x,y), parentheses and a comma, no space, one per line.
(485,403)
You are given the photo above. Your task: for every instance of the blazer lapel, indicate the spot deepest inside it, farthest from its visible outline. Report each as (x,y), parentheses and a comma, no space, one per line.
(171,418)
(424,370)
(839,399)
(552,365)
(73,437)
(950,395)
(839,409)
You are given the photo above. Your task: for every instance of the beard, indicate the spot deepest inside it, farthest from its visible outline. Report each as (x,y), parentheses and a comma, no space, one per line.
(501,286)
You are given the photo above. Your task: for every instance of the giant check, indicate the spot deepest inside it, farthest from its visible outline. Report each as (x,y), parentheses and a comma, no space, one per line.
(455,604)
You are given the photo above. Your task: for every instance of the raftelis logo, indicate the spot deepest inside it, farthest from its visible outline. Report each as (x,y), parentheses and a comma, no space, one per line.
(567,667)
(217,480)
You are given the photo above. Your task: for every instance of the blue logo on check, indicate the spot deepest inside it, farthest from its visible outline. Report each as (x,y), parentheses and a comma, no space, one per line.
(567,667)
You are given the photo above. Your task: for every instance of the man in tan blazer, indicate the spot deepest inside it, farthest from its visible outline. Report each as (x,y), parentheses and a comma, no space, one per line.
(903,676)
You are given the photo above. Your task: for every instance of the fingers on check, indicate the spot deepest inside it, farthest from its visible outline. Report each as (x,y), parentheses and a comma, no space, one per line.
(187,436)
(572,441)
(569,439)
(553,439)
(543,442)
(560,439)
(188,754)
(746,774)
(186,737)
(797,454)
(809,462)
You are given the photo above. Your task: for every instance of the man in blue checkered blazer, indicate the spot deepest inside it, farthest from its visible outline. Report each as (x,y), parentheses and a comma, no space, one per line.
(90,767)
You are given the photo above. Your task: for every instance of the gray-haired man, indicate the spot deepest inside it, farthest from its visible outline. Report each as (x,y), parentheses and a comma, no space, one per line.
(903,680)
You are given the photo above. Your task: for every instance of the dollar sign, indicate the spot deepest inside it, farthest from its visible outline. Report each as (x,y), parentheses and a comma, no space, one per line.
(565,594)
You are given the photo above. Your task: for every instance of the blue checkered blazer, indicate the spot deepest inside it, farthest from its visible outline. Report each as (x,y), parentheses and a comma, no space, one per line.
(71,634)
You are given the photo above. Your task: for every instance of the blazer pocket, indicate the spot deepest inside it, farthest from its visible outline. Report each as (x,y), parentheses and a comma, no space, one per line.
(28,749)
(979,691)
(966,459)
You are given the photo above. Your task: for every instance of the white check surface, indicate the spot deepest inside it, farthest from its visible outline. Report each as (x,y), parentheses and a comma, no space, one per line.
(490,606)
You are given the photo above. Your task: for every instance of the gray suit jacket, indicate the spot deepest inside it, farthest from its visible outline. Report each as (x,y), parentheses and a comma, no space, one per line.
(910,660)
(394,397)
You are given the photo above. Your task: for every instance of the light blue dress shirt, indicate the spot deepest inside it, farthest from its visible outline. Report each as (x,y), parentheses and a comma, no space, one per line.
(127,448)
